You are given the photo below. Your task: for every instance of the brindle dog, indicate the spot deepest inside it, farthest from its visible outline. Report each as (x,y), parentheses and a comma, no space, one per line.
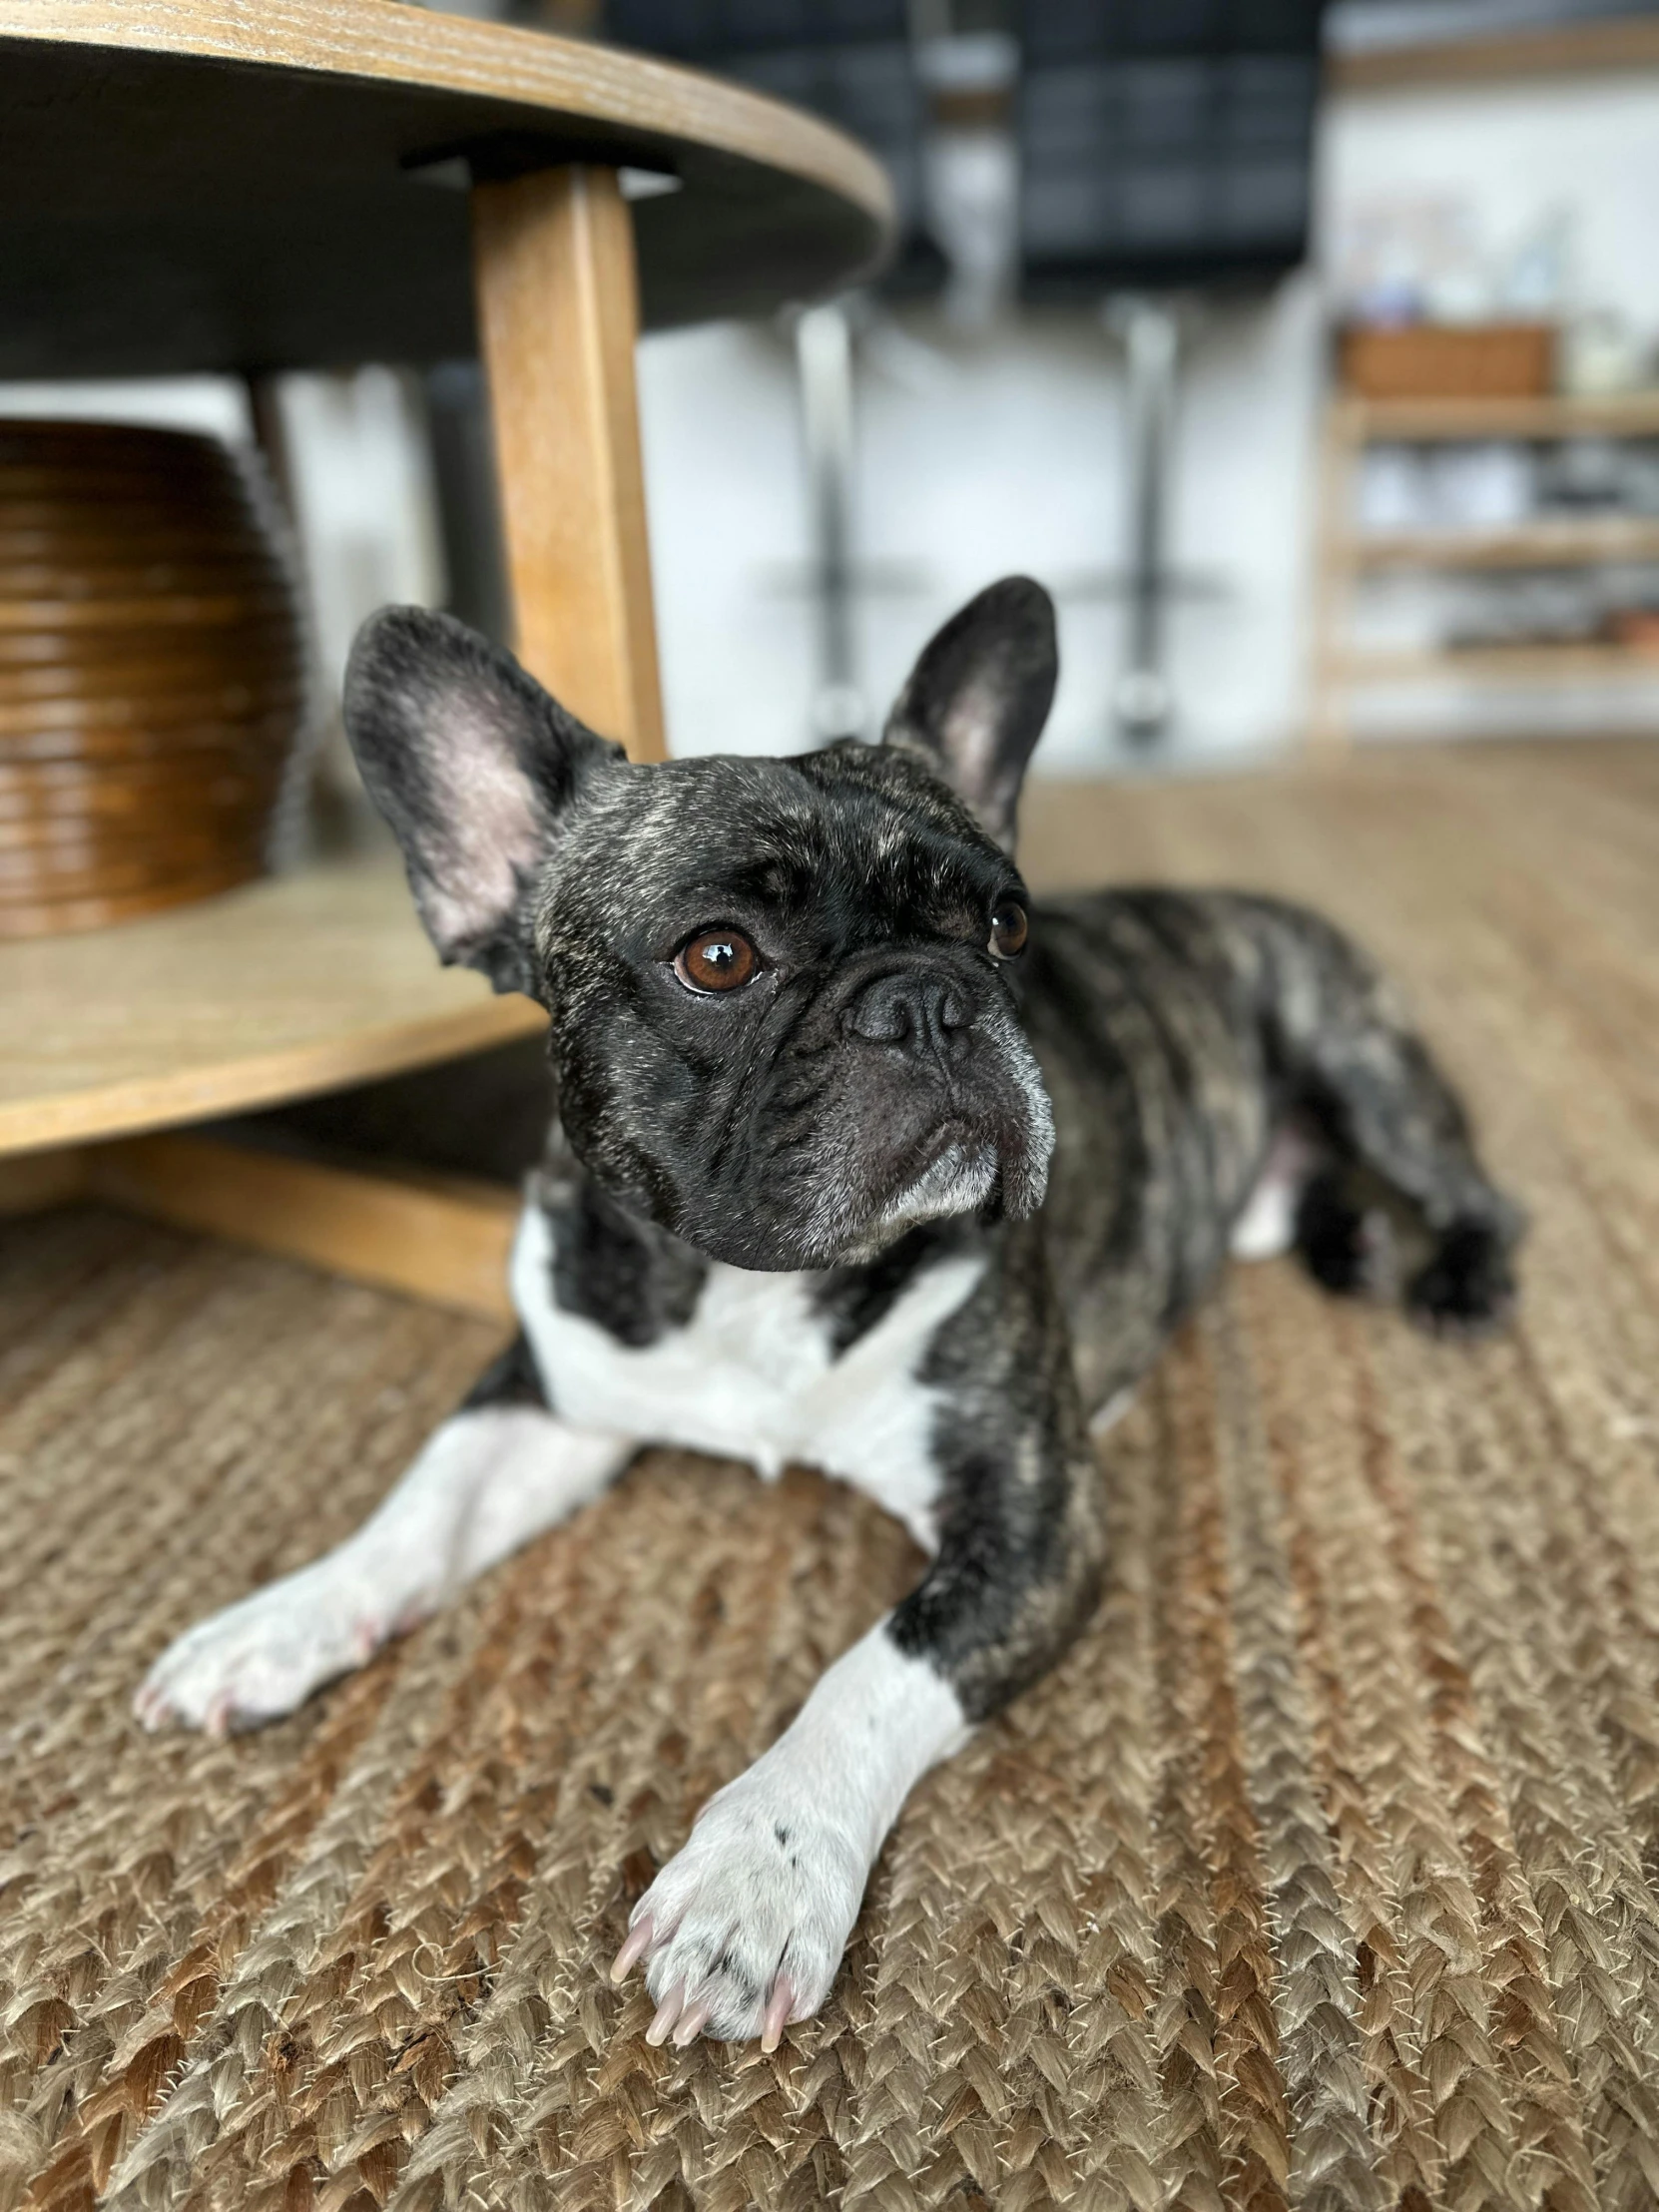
(861,1160)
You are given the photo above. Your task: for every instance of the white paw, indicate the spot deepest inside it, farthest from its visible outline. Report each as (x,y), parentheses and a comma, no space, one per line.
(743,1931)
(260,1658)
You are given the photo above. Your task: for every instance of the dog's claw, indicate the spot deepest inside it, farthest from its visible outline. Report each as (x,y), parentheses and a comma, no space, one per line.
(777,2014)
(634,1949)
(692,2022)
(667,2013)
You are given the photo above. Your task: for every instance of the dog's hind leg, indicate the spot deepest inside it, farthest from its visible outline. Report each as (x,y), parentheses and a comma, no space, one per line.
(1400,1119)
(497,1472)
(1356,1066)
(1267,1225)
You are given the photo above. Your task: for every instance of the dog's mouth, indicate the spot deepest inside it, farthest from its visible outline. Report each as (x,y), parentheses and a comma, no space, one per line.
(956,1169)
(920,1145)
(955,1134)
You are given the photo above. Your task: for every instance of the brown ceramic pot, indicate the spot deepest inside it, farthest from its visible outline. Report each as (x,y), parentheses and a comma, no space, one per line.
(151,673)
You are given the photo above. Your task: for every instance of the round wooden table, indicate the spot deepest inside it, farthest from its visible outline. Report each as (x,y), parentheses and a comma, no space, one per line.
(257,185)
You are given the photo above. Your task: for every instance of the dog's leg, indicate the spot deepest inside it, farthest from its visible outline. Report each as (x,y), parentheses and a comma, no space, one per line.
(1267,1225)
(744,1930)
(1356,1064)
(1397,1116)
(496,1474)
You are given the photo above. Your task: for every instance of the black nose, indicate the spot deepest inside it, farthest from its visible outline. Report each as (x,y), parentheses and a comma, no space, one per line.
(924,1015)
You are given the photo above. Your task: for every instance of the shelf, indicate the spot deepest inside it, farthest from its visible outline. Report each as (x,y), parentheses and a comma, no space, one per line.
(1607,48)
(1346,555)
(1548,663)
(297,984)
(1427,421)
(1538,545)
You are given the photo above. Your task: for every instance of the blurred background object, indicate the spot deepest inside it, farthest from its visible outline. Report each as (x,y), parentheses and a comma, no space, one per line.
(1171,281)
(153,678)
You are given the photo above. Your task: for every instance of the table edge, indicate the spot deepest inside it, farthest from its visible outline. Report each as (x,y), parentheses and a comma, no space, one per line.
(402,44)
(209,1089)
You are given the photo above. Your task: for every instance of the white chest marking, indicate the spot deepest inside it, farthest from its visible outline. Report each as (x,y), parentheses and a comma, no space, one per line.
(1267,1226)
(751,1376)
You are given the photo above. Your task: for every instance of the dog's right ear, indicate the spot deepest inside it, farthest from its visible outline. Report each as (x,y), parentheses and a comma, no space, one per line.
(471,763)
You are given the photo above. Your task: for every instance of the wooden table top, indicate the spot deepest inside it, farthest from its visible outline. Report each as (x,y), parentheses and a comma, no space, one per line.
(297,984)
(244,185)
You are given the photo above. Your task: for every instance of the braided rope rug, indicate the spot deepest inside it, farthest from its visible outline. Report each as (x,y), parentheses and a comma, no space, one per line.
(1323,1873)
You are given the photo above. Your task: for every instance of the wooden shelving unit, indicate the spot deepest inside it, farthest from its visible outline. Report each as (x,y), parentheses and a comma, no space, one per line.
(1610,48)
(1537,546)
(1566,662)
(1431,421)
(1346,555)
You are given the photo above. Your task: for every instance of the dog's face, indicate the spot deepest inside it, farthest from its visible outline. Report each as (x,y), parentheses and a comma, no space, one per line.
(783,1023)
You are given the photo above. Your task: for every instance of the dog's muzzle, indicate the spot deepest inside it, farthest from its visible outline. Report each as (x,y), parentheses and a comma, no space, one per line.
(949,1112)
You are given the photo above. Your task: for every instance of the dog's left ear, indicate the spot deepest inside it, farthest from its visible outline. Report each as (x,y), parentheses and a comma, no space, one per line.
(472,764)
(976,701)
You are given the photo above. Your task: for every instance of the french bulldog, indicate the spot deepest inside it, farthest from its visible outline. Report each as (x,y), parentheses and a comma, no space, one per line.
(861,1159)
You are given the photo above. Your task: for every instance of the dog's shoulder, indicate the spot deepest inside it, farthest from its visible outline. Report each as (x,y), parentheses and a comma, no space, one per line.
(607,1264)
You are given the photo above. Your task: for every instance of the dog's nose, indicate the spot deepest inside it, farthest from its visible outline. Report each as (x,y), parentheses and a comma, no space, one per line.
(924,1015)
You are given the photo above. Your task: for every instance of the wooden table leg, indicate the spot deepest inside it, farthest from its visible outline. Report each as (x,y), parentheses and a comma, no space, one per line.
(558,316)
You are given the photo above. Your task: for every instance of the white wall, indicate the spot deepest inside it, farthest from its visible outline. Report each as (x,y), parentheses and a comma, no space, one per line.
(1514,152)
(1005,453)
(363,500)
(979,455)
(215,404)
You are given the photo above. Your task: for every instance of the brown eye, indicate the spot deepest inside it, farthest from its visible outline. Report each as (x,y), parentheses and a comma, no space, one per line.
(716,960)
(1009,930)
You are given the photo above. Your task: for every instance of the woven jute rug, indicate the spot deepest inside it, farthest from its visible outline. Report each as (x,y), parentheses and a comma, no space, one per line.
(1323,1874)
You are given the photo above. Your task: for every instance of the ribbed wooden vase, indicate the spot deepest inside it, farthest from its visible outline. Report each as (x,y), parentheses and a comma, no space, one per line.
(151,673)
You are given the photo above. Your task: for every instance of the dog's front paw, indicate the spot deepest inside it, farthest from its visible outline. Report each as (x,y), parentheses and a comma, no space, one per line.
(263,1657)
(743,1931)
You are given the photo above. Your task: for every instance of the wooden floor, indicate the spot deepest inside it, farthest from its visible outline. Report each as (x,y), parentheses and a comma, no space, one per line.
(1325,1873)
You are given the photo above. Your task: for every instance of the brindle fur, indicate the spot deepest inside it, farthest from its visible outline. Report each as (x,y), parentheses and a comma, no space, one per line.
(1175,1031)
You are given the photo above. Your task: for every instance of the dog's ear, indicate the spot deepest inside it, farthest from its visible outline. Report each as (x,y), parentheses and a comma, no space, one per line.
(471,763)
(976,701)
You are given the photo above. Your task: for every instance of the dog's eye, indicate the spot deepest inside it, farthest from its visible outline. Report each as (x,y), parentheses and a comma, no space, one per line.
(1009,930)
(716,960)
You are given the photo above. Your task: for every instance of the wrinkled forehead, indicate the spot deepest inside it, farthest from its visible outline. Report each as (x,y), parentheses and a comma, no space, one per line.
(796,839)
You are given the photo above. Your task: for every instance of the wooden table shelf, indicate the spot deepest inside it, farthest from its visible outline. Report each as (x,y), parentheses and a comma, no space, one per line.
(266,184)
(294,985)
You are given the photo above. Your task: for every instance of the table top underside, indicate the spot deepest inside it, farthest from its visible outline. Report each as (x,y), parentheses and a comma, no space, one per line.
(209,186)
